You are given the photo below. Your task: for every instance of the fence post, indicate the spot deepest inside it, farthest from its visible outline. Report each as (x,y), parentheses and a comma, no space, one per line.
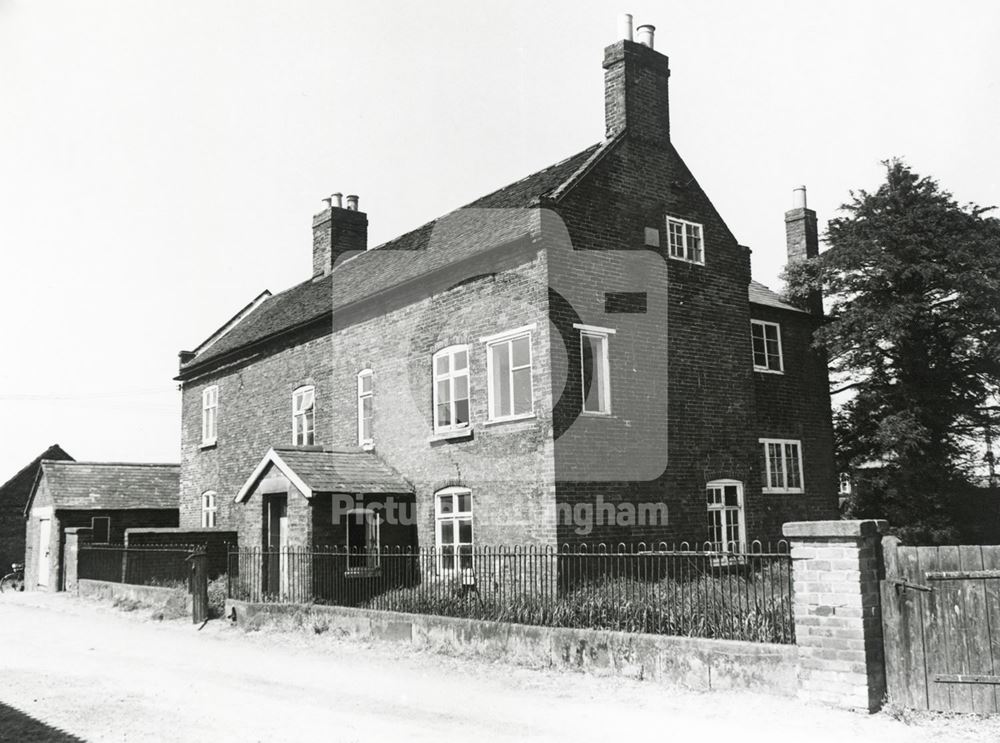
(199,584)
(836,568)
(71,556)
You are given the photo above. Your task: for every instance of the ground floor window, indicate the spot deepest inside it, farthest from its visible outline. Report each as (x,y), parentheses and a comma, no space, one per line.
(208,510)
(726,525)
(364,528)
(453,532)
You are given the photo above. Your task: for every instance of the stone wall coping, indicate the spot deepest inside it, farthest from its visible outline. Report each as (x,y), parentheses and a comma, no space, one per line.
(835,529)
(77,529)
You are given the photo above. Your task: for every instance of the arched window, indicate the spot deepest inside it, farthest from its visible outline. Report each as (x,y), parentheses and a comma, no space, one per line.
(366,408)
(304,416)
(453,528)
(451,389)
(208,509)
(726,524)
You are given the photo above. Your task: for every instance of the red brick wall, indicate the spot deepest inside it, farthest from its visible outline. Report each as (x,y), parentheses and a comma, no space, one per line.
(796,405)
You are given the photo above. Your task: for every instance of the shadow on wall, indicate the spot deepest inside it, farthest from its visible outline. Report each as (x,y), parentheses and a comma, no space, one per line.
(16,725)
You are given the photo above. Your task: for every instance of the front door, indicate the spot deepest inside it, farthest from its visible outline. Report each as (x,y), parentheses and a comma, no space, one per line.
(44,537)
(276,543)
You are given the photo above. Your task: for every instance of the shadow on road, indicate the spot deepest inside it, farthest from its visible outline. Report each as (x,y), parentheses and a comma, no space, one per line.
(17,726)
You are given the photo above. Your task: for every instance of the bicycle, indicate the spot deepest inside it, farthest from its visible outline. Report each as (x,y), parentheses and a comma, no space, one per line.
(14,580)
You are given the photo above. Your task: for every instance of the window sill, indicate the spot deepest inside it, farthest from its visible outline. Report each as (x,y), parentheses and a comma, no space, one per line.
(362,572)
(686,260)
(367,446)
(783,491)
(457,435)
(509,419)
(205,445)
(762,370)
(595,414)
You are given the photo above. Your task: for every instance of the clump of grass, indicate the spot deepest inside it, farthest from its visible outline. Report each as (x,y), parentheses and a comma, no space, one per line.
(217,596)
(737,607)
(125,604)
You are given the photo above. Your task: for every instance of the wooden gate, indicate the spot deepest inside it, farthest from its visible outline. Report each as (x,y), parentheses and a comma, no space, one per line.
(941,622)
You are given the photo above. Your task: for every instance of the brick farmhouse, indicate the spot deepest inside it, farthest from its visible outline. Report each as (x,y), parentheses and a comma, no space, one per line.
(581,356)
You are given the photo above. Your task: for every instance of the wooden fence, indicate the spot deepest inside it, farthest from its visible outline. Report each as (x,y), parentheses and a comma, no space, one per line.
(941,624)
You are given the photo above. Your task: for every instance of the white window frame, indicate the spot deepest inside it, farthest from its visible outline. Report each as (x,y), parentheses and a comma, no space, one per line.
(784,444)
(493,341)
(363,441)
(781,354)
(726,512)
(605,334)
(209,510)
(684,251)
(372,547)
(454,518)
(450,376)
(300,415)
(844,484)
(93,529)
(210,415)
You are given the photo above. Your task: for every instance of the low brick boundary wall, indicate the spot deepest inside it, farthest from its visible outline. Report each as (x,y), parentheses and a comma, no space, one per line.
(693,663)
(172,601)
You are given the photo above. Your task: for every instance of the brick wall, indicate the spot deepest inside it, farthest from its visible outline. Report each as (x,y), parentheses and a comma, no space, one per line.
(682,384)
(837,566)
(796,405)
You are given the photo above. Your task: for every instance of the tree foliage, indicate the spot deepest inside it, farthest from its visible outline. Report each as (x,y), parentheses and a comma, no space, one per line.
(912,283)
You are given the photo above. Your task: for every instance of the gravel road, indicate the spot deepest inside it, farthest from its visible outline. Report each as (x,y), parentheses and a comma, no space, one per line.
(101,674)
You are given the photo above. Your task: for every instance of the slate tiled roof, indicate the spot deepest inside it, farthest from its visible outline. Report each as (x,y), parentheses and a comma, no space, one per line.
(446,240)
(343,471)
(112,486)
(17,488)
(490,221)
(760,294)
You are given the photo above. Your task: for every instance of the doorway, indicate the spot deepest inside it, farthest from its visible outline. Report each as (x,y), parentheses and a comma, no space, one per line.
(44,550)
(276,544)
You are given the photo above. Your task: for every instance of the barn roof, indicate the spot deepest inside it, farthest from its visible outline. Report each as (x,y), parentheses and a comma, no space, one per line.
(110,485)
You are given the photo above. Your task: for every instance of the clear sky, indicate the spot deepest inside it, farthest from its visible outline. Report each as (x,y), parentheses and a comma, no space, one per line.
(160,161)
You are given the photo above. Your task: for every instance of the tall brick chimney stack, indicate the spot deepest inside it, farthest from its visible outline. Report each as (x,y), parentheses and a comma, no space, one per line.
(635,86)
(337,230)
(802,241)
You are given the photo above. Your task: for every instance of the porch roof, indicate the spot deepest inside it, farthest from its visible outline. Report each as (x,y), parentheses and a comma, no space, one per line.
(316,470)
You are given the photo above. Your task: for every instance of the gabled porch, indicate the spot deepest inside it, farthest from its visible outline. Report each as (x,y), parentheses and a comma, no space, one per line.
(300,500)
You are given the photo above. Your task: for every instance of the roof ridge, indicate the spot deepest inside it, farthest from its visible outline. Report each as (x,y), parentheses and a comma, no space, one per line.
(110,464)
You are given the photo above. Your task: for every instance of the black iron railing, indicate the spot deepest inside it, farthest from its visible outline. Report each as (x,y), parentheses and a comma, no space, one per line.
(666,590)
(145,566)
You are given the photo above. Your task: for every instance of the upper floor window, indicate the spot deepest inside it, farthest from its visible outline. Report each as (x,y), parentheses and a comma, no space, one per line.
(766,338)
(453,528)
(726,525)
(100,529)
(366,408)
(595,372)
(209,414)
(782,466)
(451,389)
(304,416)
(508,375)
(685,240)
(208,509)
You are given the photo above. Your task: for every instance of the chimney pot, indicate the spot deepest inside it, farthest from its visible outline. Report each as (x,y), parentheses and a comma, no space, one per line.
(625,26)
(328,201)
(645,35)
(338,200)
(799,197)
(352,203)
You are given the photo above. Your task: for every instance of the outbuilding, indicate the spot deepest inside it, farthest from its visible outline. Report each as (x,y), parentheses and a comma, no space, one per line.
(105,497)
